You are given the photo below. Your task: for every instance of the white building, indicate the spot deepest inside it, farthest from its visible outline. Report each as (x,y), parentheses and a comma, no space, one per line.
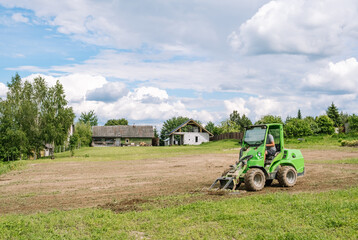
(189,133)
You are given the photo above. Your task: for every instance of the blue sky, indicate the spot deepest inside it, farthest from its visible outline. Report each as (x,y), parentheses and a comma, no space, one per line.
(148,61)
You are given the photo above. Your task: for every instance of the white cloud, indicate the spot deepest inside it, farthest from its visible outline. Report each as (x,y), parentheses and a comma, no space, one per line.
(3,90)
(75,85)
(114,100)
(237,104)
(178,26)
(337,78)
(149,95)
(306,27)
(109,92)
(18,17)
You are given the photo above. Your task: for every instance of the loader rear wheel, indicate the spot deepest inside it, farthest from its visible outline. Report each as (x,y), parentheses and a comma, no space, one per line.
(287,176)
(254,179)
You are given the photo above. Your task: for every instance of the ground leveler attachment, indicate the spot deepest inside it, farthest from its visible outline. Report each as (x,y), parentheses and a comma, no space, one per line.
(230,178)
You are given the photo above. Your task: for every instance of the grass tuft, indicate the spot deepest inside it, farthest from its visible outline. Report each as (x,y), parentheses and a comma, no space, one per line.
(6,167)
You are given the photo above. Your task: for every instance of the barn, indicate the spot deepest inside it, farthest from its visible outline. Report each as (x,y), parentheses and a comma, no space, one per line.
(188,133)
(122,135)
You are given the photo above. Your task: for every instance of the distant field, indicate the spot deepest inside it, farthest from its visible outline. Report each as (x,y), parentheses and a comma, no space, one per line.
(138,153)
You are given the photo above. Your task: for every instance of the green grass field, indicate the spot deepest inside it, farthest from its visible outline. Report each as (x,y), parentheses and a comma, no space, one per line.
(325,215)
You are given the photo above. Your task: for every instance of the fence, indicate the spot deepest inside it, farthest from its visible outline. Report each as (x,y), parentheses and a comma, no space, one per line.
(232,135)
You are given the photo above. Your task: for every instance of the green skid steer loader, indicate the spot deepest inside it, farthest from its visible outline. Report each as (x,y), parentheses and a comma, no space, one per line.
(257,170)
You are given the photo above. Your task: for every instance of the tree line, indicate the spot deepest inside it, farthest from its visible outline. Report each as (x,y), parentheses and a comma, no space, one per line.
(293,126)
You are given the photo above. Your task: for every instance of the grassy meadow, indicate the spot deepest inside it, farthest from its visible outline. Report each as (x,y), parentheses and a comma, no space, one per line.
(326,215)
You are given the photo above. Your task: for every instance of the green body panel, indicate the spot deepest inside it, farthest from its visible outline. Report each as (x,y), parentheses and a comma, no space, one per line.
(290,157)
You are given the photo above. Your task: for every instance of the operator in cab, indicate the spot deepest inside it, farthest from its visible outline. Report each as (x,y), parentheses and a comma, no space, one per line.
(270,147)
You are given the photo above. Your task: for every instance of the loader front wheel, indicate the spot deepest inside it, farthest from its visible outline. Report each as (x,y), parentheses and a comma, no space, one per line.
(287,176)
(254,179)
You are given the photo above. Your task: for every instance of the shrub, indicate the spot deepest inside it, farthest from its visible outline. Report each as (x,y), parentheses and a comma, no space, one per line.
(353,143)
(353,123)
(325,124)
(269,119)
(297,128)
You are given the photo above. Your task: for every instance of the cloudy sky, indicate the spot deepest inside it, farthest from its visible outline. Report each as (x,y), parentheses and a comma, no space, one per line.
(148,61)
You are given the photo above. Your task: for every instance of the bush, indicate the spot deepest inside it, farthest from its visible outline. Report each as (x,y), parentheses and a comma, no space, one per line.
(353,143)
(269,119)
(313,125)
(297,128)
(325,124)
(353,123)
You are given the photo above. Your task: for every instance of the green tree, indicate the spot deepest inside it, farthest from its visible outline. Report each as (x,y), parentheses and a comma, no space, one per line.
(269,119)
(332,113)
(344,117)
(114,122)
(89,117)
(229,126)
(58,118)
(353,123)
(14,141)
(210,126)
(215,130)
(31,116)
(73,143)
(297,128)
(242,121)
(288,118)
(299,116)
(156,135)
(325,124)
(84,132)
(313,124)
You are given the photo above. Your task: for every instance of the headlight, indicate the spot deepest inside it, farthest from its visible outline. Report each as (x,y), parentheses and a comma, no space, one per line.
(259,154)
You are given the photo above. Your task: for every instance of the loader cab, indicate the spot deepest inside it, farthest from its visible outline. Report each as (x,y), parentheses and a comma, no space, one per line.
(276,130)
(256,137)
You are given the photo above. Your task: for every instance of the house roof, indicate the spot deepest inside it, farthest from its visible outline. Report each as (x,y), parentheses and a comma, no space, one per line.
(123,131)
(190,122)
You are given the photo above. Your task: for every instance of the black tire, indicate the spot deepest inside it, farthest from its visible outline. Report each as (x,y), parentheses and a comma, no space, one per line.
(255,179)
(268,182)
(287,176)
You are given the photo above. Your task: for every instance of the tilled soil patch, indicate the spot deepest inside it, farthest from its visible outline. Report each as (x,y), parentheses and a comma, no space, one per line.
(68,185)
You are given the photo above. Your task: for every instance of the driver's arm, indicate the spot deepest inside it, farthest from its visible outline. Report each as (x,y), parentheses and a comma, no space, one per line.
(272,144)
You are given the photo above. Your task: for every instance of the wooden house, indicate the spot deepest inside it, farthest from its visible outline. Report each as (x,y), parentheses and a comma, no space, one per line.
(122,135)
(188,133)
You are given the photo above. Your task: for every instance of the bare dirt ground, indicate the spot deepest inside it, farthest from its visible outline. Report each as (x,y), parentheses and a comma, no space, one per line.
(68,185)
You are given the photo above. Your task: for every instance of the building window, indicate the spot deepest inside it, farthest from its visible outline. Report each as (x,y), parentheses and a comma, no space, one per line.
(196,139)
(127,140)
